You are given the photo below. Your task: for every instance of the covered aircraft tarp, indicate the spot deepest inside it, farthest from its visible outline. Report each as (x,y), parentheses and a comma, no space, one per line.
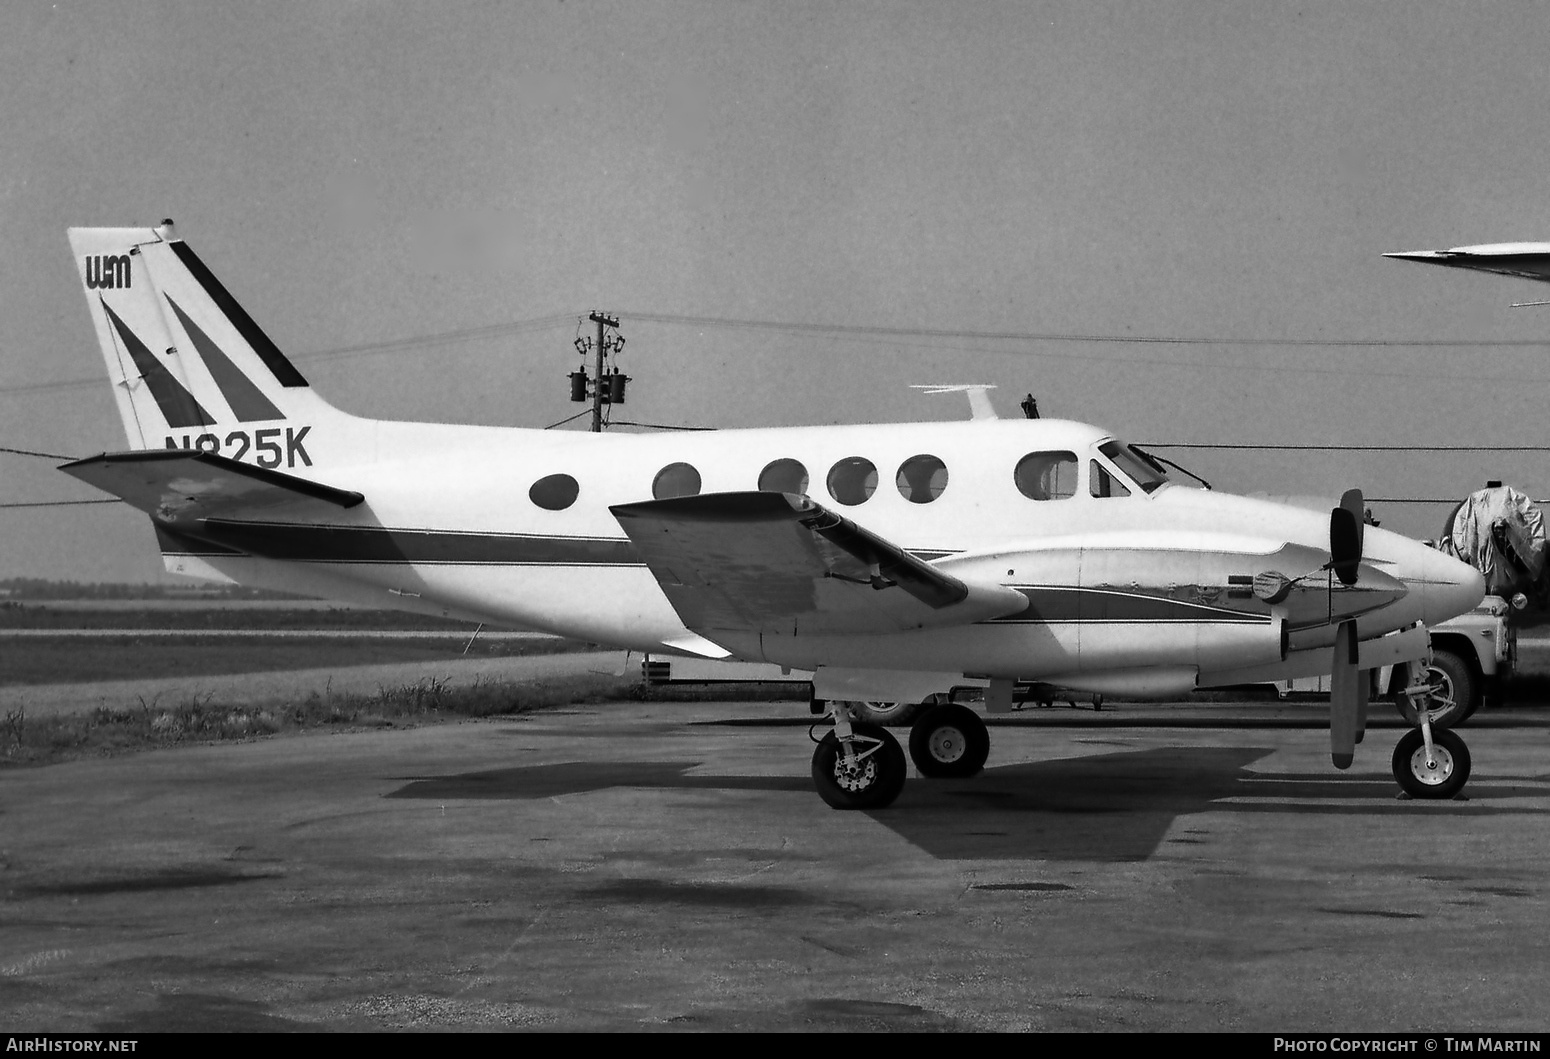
(1501,533)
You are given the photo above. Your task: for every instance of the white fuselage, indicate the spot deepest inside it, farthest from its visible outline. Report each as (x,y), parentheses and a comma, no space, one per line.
(1142,581)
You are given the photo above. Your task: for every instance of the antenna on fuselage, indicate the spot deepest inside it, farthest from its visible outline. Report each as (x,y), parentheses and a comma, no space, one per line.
(979,401)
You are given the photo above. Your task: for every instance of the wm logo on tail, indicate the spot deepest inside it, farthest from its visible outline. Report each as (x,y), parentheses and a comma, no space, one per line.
(107,271)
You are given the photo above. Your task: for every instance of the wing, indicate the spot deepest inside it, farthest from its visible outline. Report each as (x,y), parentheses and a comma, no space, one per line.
(779,563)
(179,485)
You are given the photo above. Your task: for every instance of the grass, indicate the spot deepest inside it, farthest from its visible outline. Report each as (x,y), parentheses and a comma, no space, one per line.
(204,719)
(133,656)
(80,616)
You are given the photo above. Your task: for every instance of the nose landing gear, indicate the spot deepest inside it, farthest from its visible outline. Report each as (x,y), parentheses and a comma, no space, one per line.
(1430,762)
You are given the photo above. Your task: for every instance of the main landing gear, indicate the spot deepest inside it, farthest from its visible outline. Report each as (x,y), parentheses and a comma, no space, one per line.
(861,765)
(858,765)
(1430,761)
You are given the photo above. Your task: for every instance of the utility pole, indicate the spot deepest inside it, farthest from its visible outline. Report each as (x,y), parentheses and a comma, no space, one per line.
(600,384)
(607,387)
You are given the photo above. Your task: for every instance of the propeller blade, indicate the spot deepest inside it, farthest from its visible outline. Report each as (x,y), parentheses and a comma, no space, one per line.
(1363,692)
(1346,706)
(1345,536)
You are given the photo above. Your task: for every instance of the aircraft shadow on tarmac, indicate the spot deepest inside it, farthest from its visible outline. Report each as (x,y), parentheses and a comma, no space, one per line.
(1104,807)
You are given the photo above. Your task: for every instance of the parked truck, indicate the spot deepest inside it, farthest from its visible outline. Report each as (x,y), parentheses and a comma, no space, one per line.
(1501,533)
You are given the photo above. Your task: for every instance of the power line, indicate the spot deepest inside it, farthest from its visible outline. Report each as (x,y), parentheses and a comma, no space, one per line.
(40,455)
(656,426)
(858,331)
(63,503)
(1064,336)
(1423,500)
(364,349)
(567,419)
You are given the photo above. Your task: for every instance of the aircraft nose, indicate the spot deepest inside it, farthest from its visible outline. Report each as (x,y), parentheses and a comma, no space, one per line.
(1447,586)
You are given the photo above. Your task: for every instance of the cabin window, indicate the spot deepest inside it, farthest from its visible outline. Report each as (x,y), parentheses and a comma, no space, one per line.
(853,480)
(783,476)
(921,479)
(676,479)
(1046,475)
(1101,483)
(554,492)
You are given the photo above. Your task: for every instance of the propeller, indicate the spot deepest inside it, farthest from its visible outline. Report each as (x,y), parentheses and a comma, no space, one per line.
(1347,689)
(1346,524)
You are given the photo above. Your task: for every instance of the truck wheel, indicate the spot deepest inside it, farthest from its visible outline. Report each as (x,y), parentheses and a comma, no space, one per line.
(893,714)
(1454,695)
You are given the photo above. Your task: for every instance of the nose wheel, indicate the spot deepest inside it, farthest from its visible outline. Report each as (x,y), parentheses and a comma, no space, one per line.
(1435,768)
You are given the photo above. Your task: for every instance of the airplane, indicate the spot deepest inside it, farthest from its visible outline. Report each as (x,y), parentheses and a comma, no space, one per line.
(912,562)
(1524,260)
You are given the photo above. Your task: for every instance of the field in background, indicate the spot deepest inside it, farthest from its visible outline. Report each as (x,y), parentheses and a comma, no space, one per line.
(300,666)
(81,640)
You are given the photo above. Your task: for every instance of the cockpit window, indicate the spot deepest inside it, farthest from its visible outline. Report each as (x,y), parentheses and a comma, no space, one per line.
(1046,475)
(1146,473)
(1101,483)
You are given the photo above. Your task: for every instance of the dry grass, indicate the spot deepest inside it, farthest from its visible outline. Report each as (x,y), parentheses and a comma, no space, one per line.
(204,719)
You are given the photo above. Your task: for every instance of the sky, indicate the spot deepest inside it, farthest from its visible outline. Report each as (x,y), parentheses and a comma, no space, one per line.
(390,174)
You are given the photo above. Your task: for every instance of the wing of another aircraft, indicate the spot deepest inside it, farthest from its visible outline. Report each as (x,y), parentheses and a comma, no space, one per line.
(780,563)
(178,485)
(1526,260)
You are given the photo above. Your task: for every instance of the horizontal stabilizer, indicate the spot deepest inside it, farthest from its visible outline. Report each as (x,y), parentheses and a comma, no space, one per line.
(179,485)
(779,563)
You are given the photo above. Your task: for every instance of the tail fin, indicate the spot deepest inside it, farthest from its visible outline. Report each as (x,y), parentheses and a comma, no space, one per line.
(190,368)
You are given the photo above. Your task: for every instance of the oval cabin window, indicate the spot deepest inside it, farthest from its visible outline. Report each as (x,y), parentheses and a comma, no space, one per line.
(1046,475)
(921,479)
(783,476)
(555,492)
(853,480)
(676,479)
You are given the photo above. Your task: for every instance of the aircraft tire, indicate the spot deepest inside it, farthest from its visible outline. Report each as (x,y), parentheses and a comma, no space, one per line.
(873,784)
(1446,780)
(1453,687)
(949,742)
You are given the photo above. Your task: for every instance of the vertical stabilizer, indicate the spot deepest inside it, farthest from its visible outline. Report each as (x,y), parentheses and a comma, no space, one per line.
(190,368)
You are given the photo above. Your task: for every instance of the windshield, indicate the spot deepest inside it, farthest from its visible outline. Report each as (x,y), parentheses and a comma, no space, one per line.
(1145,472)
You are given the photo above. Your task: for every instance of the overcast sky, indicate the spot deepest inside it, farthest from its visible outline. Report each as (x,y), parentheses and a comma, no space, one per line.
(374,171)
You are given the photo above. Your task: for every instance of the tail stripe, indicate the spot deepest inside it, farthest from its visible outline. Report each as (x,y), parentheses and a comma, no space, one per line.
(246,400)
(268,352)
(178,406)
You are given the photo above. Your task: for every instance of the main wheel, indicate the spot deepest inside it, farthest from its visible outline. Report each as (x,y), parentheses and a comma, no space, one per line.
(1443,777)
(872,781)
(949,742)
(885,713)
(1453,696)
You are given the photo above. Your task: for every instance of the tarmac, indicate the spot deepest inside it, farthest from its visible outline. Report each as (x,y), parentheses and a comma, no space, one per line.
(668,866)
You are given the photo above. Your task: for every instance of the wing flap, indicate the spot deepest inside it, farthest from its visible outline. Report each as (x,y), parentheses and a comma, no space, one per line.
(779,563)
(180,485)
